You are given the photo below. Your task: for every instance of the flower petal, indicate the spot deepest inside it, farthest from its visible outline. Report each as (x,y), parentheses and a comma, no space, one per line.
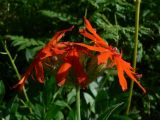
(93,48)
(22,81)
(89,27)
(87,35)
(39,71)
(20,84)
(62,73)
(130,74)
(59,35)
(48,50)
(126,67)
(103,57)
(73,57)
(121,77)
(99,40)
(82,78)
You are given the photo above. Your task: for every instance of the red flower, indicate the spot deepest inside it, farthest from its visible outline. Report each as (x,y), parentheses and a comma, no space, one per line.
(72,60)
(51,49)
(111,54)
(70,53)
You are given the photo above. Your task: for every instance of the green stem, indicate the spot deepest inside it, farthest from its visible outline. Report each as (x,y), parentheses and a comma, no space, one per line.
(116,23)
(85,14)
(17,74)
(138,2)
(78,103)
(12,62)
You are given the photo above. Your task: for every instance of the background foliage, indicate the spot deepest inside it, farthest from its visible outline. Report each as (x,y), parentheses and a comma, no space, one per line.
(26,25)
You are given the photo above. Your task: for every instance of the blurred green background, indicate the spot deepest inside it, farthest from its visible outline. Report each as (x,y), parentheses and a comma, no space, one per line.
(26,25)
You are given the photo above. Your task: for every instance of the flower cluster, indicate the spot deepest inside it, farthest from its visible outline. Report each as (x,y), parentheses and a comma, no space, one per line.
(71,53)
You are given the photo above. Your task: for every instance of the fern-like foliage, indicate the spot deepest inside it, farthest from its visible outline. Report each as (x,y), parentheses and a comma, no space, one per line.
(30,45)
(62,16)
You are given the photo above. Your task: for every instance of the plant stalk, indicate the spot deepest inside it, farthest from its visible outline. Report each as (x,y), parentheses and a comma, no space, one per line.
(138,2)
(78,103)
(17,74)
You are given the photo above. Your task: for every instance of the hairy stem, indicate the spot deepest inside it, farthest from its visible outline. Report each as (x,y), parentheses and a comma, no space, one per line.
(138,2)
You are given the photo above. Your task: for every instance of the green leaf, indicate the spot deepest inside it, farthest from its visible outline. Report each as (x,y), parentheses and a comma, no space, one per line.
(108,112)
(23,43)
(61,16)
(62,104)
(121,117)
(29,54)
(7,117)
(59,116)
(2,90)
(38,111)
(14,105)
(93,3)
(72,115)
(71,96)
(49,91)
(52,112)
(90,100)
(93,88)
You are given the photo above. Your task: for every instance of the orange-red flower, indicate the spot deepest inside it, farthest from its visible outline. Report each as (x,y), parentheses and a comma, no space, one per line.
(51,49)
(72,60)
(70,54)
(111,54)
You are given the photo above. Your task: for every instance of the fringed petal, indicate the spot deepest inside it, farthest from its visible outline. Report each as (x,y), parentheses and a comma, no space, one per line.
(126,67)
